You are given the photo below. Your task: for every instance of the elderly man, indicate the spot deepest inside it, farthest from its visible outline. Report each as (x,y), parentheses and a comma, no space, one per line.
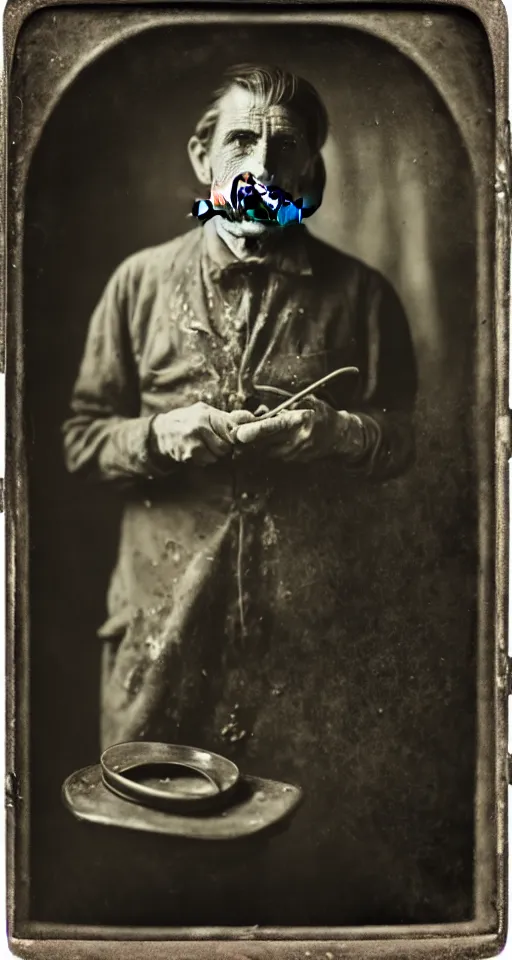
(227,621)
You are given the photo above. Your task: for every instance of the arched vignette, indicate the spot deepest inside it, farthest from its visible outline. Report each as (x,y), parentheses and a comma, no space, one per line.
(388,31)
(376,24)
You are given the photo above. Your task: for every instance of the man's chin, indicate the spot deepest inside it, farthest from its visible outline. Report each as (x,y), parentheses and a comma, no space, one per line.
(248,228)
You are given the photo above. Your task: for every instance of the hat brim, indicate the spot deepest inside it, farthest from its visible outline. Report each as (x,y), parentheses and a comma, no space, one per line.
(257,805)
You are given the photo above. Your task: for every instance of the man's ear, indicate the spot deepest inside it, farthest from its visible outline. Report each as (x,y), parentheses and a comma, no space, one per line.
(200,159)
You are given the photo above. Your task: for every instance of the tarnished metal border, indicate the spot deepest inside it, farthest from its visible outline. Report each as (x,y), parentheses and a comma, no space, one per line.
(477,939)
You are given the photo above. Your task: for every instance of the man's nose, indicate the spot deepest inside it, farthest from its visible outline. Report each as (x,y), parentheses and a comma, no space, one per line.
(260,161)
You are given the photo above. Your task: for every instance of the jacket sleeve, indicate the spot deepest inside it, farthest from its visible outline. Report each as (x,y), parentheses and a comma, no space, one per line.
(388,385)
(105,437)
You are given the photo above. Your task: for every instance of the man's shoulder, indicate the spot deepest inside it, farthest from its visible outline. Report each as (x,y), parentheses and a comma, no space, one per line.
(150,262)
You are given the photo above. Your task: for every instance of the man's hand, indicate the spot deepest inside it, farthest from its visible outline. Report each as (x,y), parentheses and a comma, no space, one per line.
(200,434)
(304,434)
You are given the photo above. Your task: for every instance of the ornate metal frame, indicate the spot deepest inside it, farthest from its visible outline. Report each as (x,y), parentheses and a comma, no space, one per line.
(21,125)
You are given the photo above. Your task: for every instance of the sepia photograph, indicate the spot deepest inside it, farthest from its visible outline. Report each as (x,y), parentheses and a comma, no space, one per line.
(257,360)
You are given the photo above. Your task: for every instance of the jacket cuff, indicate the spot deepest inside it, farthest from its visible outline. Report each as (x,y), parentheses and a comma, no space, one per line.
(130,451)
(366,436)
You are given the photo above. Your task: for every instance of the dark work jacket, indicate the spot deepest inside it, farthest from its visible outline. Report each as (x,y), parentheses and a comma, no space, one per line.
(229,597)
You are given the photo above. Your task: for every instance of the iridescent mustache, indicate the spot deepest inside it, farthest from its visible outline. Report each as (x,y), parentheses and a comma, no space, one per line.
(250,200)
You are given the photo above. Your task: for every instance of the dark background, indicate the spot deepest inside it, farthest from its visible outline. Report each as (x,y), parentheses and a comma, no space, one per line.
(110,176)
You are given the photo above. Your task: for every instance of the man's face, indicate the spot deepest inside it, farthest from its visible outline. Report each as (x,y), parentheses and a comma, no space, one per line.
(267,141)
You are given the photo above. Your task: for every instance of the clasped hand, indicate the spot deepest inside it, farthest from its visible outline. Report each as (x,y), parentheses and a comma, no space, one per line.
(202,434)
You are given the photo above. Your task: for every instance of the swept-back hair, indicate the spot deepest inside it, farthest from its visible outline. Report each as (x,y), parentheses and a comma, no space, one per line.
(276,86)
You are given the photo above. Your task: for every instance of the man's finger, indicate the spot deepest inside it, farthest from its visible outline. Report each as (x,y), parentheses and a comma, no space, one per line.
(241,416)
(265,429)
(308,403)
(214,443)
(222,425)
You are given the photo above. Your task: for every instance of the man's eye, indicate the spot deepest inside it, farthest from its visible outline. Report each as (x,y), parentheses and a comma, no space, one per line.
(243,139)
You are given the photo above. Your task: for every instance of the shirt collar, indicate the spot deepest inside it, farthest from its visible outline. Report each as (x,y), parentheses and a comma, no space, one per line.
(288,256)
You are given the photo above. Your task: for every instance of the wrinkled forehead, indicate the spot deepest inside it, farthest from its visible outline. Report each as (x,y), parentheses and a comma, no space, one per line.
(243,109)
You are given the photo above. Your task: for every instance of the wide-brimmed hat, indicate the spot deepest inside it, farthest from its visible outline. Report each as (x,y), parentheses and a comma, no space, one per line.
(177,790)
